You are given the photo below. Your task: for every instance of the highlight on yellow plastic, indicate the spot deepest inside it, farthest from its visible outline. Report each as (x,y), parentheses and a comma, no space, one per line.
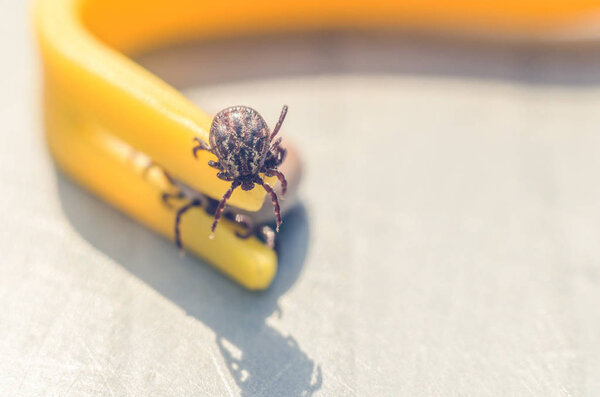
(101,105)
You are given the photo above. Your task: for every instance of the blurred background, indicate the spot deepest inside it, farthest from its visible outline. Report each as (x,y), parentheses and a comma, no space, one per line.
(446,242)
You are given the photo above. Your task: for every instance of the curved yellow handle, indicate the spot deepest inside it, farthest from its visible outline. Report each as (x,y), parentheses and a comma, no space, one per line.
(102,110)
(85,150)
(100,105)
(124,98)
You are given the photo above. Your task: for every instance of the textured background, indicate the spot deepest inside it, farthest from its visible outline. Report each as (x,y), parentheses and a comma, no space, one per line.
(447,243)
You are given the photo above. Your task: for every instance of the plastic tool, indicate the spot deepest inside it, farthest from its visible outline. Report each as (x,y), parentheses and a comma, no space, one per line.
(100,106)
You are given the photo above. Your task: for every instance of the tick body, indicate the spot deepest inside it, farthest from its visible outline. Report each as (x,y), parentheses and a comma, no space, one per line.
(245,148)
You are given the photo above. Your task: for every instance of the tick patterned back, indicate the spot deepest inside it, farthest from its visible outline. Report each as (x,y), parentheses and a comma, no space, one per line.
(240,138)
(245,148)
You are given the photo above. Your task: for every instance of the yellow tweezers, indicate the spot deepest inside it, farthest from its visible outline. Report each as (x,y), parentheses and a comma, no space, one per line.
(100,106)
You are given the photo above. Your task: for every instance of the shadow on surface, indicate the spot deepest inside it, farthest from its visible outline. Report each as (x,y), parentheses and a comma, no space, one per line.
(260,359)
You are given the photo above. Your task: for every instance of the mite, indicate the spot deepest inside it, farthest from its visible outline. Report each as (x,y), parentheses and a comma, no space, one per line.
(245,148)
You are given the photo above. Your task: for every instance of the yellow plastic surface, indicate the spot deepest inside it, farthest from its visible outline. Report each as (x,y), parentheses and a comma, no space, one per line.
(92,156)
(100,105)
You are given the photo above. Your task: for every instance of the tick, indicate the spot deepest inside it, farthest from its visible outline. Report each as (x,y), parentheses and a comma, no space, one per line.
(245,148)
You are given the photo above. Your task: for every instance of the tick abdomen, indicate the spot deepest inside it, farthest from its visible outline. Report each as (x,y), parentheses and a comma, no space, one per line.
(245,148)
(240,138)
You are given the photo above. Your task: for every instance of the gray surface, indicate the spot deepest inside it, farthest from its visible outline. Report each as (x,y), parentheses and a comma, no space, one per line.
(447,243)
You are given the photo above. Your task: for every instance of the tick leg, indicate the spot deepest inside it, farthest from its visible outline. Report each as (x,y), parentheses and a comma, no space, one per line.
(215,164)
(180,212)
(274,199)
(280,122)
(200,145)
(269,236)
(277,152)
(224,176)
(281,178)
(265,232)
(275,145)
(166,197)
(246,223)
(281,152)
(221,206)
